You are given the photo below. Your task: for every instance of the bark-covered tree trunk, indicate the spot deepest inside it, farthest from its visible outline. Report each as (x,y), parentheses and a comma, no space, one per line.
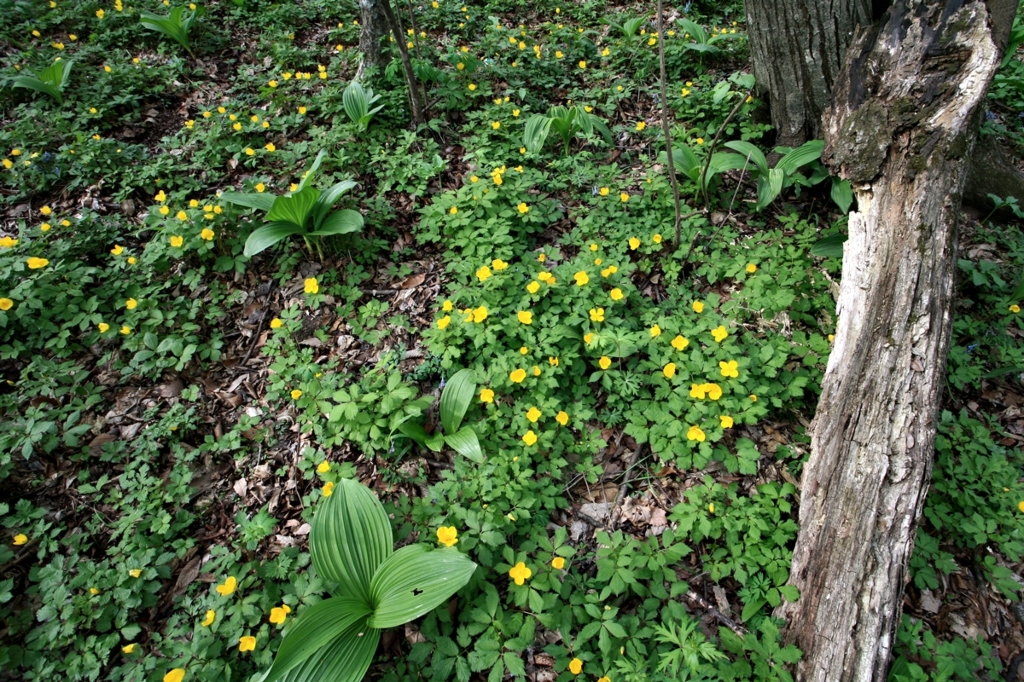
(796,50)
(901,128)
(373,33)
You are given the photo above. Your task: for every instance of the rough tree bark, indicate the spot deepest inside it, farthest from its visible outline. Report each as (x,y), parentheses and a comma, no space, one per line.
(901,128)
(373,33)
(796,50)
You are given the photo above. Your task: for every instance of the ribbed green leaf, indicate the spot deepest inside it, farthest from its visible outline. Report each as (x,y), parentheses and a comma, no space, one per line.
(296,208)
(262,202)
(455,399)
(695,30)
(801,156)
(842,194)
(536,132)
(414,431)
(308,176)
(748,150)
(263,238)
(345,659)
(416,580)
(343,221)
(685,160)
(327,199)
(829,247)
(466,443)
(314,628)
(350,539)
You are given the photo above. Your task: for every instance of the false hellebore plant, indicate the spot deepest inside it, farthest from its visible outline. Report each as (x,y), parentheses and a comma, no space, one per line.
(305,212)
(374,588)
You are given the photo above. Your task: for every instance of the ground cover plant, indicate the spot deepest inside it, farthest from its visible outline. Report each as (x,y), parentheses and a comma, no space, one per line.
(487,410)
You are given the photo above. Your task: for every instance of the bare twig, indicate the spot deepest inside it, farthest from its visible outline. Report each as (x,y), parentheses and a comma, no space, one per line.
(722,618)
(665,128)
(714,141)
(410,77)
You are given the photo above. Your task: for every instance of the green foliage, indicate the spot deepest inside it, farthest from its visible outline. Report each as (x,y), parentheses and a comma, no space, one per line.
(373,588)
(176,26)
(456,397)
(51,81)
(305,212)
(566,123)
(358,101)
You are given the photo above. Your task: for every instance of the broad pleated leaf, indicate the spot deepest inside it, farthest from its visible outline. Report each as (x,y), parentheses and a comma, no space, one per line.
(416,580)
(327,199)
(263,238)
(343,221)
(311,173)
(466,443)
(345,659)
(262,202)
(768,188)
(686,161)
(32,83)
(350,539)
(600,127)
(414,431)
(695,30)
(801,156)
(296,208)
(724,161)
(314,628)
(829,247)
(842,194)
(536,132)
(748,150)
(455,399)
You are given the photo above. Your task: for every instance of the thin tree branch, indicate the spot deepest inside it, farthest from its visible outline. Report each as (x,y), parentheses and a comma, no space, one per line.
(410,77)
(711,148)
(665,127)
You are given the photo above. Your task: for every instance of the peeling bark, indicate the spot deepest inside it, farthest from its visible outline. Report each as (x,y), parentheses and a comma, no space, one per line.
(796,50)
(901,128)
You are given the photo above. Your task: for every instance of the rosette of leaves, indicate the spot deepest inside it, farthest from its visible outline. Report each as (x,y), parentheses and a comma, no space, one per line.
(50,80)
(374,588)
(176,26)
(566,122)
(456,398)
(305,212)
(357,101)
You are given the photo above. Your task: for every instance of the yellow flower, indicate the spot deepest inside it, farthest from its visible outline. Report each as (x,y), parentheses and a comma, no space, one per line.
(711,507)
(719,333)
(670,370)
(225,589)
(640,126)
(605,362)
(236,127)
(536,371)
(65,223)
(575,666)
(483,273)
(729,369)
(515,113)
(727,421)
(131,304)
(21,539)
(323,467)
(562,418)
(164,210)
(207,234)
(700,140)
(7,304)
(260,187)
(695,434)
(597,315)
(328,489)
(272,83)
(135,572)
(247,643)
(520,573)
(698,307)
(472,87)
(1014,308)
(480,314)
(128,648)
(460,66)
(581,278)
(623,197)
(444,321)
(751,268)
(496,124)
(714,391)
(523,208)
(698,391)
(93,591)
(616,294)
(279,614)
(487,396)
(525,317)
(558,54)
(634,243)
(8,164)
(310,285)
(606,678)
(533,415)
(117,250)
(177,241)
(529,438)
(249,151)
(553,361)
(100,14)
(126,330)
(680,343)
(276,323)
(270,147)
(46,210)
(517,376)
(582,64)
(655,331)
(453,210)
(296,394)
(533,287)
(1020,506)
(177,674)
(588,337)
(656,239)
(545,276)
(447,306)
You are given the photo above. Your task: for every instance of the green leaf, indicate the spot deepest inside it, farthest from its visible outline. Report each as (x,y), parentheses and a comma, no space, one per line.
(751,608)
(830,246)
(328,199)
(263,238)
(308,176)
(536,132)
(466,443)
(314,628)
(790,592)
(801,156)
(414,431)
(342,221)
(263,202)
(414,581)
(842,194)
(748,150)
(350,539)
(294,209)
(455,399)
(345,659)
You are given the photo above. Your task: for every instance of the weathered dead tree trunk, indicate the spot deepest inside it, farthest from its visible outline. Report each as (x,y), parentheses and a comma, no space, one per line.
(796,51)
(901,128)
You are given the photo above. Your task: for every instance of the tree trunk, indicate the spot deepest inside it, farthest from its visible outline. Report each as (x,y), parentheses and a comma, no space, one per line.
(373,33)
(901,128)
(796,50)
